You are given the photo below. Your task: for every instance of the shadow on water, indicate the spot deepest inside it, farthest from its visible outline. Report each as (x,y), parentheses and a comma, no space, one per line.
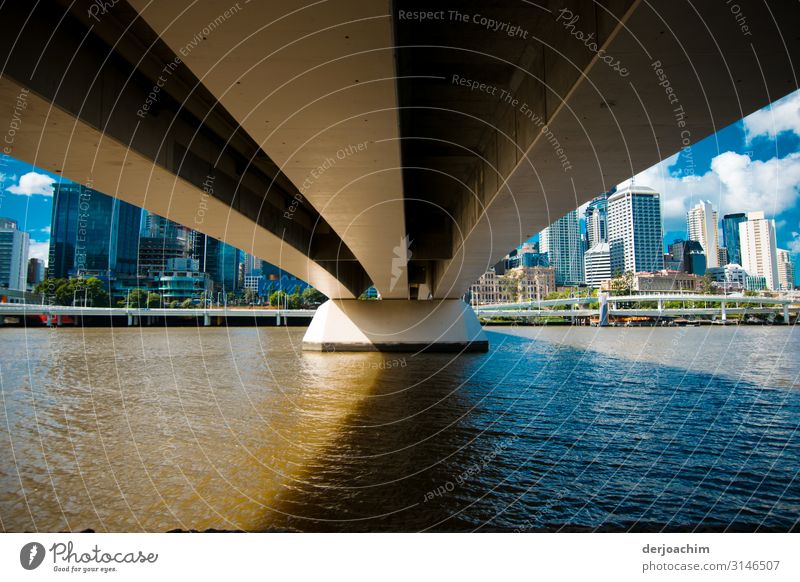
(541,437)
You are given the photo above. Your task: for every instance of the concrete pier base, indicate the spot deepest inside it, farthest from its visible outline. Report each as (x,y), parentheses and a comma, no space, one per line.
(441,325)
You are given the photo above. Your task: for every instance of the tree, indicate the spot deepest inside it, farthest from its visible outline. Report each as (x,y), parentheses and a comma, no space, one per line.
(153,300)
(311,297)
(187,303)
(294,301)
(174,304)
(66,291)
(707,286)
(622,285)
(511,285)
(136,299)
(277,299)
(249,296)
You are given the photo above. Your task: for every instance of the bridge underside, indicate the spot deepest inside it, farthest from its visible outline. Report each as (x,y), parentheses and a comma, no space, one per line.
(407,145)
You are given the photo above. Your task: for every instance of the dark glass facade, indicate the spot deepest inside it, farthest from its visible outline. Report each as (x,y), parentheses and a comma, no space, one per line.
(92,233)
(730,236)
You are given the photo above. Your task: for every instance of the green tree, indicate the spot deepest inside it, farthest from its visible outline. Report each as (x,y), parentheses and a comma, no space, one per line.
(174,304)
(135,299)
(277,299)
(312,297)
(187,303)
(250,296)
(707,286)
(66,291)
(153,300)
(622,285)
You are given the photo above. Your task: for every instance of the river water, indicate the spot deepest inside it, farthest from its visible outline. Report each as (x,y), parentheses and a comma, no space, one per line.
(556,428)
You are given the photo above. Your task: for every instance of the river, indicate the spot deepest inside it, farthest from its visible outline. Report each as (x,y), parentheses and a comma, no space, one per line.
(556,428)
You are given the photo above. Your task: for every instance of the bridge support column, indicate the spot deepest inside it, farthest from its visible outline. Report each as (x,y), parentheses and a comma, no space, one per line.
(389,325)
(130,320)
(603,316)
(206,320)
(786,314)
(723,307)
(660,305)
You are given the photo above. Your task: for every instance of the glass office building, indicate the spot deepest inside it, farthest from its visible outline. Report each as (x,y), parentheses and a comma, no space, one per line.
(730,236)
(92,234)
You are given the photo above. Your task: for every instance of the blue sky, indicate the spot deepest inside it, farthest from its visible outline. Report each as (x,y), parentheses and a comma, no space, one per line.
(753,164)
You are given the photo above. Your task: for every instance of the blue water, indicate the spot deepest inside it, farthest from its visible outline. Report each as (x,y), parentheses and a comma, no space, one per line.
(545,436)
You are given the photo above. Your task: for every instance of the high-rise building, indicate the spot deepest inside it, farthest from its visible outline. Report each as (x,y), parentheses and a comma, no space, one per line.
(92,234)
(527,255)
(562,243)
(597,264)
(35,272)
(13,255)
(689,256)
(221,261)
(785,270)
(722,256)
(758,248)
(701,223)
(634,230)
(597,221)
(730,236)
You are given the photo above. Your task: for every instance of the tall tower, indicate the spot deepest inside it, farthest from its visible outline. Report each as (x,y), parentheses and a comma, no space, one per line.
(92,233)
(597,221)
(13,255)
(635,236)
(562,243)
(730,236)
(701,223)
(785,270)
(759,249)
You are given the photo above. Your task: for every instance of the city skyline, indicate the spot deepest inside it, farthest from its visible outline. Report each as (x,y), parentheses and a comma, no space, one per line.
(751,165)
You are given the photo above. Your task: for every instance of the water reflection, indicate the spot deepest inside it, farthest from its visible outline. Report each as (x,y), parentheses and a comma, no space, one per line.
(161,429)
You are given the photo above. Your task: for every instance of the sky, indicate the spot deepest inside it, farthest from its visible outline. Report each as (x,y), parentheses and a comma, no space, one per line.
(751,165)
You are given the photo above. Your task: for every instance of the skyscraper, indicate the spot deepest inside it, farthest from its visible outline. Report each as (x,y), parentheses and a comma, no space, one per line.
(92,234)
(35,271)
(634,230)
(13,255)
(562,243)
(758,248)
(221,261)
(597,262)
(730,236)
(701,223)
(690,255)
(597,221)
(162,240)
(785,270)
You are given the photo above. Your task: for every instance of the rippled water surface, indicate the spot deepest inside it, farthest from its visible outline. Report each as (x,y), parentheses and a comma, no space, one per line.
(556,428)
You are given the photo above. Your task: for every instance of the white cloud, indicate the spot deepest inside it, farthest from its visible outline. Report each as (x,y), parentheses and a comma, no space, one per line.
(735,183)
(782,115)
(794,244)
(45,230)
(33,183)
(39,250)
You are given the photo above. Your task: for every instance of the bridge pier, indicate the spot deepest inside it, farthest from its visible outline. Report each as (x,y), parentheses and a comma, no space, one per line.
(395,325)
(206,320)
(723,307)
(603,316)
(786,314)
